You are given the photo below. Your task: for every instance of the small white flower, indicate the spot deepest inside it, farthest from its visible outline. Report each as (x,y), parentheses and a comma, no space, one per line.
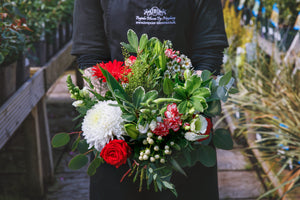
(159,138)
(158,119)
(152,125)
(167,152)
(167,147)
(162,161)
(152,159)
(140,157)
(101,124)
(151,141)
(176,68)
(145,157)
(147,152)
(156,148)
(145,142)
(149,134)
(167,74)
(172,143)
(77,103)
(143,129)
(156,156)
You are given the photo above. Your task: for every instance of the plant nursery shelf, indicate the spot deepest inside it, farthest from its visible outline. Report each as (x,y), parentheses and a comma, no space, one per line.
(27,109)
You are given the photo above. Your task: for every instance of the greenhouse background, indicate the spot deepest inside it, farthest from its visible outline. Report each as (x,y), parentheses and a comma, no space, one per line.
(263,115)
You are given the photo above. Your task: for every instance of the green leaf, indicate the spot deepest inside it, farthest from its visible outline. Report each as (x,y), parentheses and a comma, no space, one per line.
(177,167)
(180,93)
(138,96)
(202,92)
(192,84)
(233,90)
(198,103)
(78,162)
(83,146)
(60,139)
(222,139)
(153,94)
(214,108)
(206,75)
(131,130)
(75,144)
(143,42)
(182,107)
(222,94)
(168,185)
(133,39)
(168,86)
(93,166)
(113,85)
(129,117)
(225,79)
(207,155)
(129,48)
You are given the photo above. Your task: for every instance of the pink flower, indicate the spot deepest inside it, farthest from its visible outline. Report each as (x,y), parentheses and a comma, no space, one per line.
(161,129)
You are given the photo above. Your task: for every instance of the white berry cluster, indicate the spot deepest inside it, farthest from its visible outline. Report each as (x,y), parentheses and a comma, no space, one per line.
(155,149)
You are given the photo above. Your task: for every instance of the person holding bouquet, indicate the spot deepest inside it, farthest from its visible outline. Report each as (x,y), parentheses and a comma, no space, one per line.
(196,29)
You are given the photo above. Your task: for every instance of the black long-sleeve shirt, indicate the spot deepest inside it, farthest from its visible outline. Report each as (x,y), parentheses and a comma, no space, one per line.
(195,27)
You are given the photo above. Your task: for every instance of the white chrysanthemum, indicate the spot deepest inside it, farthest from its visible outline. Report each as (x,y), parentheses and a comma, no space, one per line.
(190,136)
(101,123)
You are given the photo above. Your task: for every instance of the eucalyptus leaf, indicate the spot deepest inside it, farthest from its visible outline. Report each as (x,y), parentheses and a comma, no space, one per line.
(225,79)
(214,108)
(60,140)
(93,166)
(129,117)
(78,162)
(207,155)
(222,139)
(83,146)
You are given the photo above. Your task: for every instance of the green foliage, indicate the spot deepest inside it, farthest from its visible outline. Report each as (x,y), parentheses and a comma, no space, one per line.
(222,139)
(78,162)
(93,166)
(60,139)
(131,130)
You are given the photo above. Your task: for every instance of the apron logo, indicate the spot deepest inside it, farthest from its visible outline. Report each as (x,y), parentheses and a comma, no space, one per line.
(155,16)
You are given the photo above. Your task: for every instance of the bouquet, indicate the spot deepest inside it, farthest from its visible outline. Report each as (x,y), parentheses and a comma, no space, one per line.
(151,111)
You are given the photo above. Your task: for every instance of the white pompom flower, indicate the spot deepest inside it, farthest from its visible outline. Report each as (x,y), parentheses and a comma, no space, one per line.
(101,124)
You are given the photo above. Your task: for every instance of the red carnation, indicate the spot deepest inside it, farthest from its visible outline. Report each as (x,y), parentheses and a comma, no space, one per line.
(115,68)
(116,152)
(208,129)
(161,129)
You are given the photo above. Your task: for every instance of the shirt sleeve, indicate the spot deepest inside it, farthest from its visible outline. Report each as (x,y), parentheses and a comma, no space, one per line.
(88,30)
(208,36)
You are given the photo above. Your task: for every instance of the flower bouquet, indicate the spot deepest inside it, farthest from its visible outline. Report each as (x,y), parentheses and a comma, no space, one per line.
(155,114)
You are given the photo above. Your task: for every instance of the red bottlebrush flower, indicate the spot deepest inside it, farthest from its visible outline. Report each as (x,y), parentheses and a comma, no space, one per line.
(115,68)
(172,108)
(178,59)
(161,129)
(208,129)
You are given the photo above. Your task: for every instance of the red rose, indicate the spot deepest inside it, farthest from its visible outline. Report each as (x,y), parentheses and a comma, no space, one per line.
(116,152)
(208,129)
